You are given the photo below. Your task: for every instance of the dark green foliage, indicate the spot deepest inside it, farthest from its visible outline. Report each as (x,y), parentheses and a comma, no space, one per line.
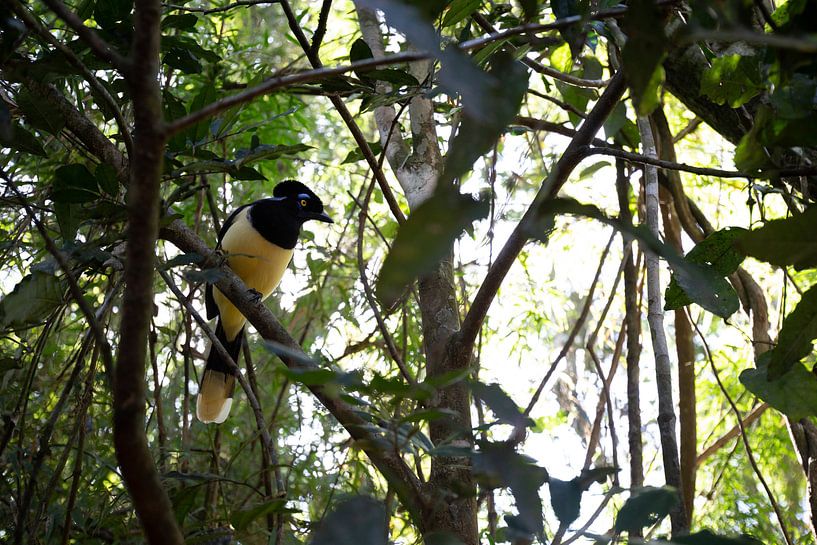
(645,506)
(498,465)
(643,53)
(794,393)
(500,403)
(718,252)
(355,521)
(784,241)
(425,238)
(797,335)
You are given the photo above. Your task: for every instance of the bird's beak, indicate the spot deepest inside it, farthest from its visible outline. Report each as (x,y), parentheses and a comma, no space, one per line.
(320,216)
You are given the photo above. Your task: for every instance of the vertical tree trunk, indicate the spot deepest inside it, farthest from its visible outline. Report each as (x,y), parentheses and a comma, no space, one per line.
(138,470)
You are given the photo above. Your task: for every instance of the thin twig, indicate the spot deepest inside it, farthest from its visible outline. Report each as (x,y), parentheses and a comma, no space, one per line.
(724,439)
(578,324)
(228,7)
(743,435)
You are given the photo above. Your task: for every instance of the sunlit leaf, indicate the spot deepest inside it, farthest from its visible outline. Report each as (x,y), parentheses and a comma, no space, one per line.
(733,80)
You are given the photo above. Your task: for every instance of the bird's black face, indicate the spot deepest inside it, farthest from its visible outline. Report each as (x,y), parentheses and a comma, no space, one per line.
(302,201)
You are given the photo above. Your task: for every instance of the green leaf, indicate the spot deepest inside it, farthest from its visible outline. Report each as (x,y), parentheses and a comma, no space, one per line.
(733,80)
(508,81)
(643,53)
(74,183)
(498,465)
(425,238)
(241,520)
(360,51)
(459,10)
(22,140)
(110,12)
(32,300)
(646,506)
(795,99)
(247,173)
(505,409)
(782,242)
(107,180)
(184,21)
(718,251)
(592,169)
(391,75)
(356,521)
(797,335)
(565,498)
(184,499)
(182,59)
(356,155)
(40,113)
(793,394)
(573,35)
(67,219)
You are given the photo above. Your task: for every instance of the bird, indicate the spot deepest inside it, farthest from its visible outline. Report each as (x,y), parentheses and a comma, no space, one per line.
(258,239)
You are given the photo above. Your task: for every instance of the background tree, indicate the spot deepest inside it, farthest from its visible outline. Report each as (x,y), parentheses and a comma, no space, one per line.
(405,398)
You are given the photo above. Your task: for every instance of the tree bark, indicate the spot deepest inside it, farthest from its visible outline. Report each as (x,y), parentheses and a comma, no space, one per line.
(150,500)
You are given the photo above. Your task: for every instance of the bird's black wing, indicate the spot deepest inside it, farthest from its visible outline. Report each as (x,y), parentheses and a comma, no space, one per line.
(210,303)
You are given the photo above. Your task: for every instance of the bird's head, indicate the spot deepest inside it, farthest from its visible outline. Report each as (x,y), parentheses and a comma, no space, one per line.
(301,201)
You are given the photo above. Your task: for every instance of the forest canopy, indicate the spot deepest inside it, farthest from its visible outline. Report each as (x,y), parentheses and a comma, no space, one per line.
(569,294)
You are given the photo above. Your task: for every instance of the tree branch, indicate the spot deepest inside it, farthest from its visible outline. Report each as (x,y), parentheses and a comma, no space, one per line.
(558,176)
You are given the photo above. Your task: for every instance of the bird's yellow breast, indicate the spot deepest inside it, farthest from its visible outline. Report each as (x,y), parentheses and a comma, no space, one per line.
(258,262)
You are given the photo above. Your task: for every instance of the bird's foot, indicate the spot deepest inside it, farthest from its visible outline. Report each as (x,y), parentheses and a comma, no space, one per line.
(255,295)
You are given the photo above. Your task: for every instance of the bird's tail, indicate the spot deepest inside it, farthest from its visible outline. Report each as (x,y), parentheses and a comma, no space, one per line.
(218,382)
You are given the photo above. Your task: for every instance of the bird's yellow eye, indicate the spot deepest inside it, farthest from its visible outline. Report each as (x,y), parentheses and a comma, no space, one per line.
(303,203)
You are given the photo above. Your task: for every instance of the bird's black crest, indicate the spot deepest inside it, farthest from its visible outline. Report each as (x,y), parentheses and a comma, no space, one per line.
(291,188)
